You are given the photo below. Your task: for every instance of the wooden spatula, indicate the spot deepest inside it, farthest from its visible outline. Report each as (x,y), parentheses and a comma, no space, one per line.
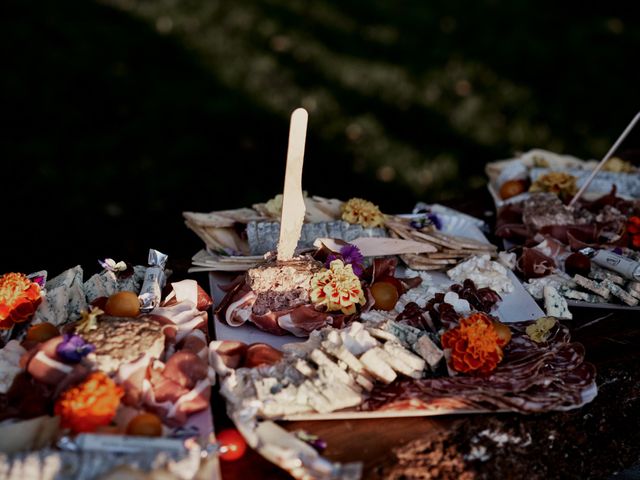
(293,208)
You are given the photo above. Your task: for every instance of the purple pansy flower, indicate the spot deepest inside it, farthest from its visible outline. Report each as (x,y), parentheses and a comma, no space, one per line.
(349,254)
(73,348)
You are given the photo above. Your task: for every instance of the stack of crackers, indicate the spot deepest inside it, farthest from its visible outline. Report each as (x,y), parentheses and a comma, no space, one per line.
(449,249)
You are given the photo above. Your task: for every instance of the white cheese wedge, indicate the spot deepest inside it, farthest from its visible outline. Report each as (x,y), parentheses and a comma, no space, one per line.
(343,355)
(398,351)
(330,369)
(374,361)
(554,304)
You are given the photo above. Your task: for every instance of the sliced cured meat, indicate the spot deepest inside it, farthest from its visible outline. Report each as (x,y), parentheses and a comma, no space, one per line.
(186,369)
(532,378)
(230,352)
(534,264)
(261,354)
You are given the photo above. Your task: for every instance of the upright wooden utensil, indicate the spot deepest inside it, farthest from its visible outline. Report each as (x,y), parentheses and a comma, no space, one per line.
(605,159)
(293,208)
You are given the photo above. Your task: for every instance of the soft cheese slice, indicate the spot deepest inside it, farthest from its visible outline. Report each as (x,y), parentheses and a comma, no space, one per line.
(554,304)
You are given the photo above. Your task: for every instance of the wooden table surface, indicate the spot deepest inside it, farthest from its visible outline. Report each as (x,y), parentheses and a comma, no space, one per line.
(614,340)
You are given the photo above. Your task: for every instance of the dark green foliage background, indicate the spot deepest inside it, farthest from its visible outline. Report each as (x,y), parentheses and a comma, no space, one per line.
(119,115)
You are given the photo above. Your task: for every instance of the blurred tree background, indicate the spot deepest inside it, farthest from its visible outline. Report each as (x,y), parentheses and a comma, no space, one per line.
(122,114)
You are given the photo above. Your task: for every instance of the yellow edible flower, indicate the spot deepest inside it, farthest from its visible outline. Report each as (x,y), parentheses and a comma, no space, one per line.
(274,206)
(362,212)
(539,331)
(337,288)
(560,183)
(616,164)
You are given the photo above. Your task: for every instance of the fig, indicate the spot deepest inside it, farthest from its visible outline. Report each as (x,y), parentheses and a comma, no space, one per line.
(577,263)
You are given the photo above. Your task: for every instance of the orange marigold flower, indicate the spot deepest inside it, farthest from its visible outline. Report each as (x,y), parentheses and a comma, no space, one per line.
(89,405)
(474,345)
(19,299)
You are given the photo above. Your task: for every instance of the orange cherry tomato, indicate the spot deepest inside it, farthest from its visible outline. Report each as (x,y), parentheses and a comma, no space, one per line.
(41,332)
(503,332)
(145,425)
(232,444)
(123,304)
(511,188)
(385,295)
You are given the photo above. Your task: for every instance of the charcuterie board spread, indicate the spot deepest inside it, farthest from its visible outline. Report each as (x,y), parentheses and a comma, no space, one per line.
(585,253)
(104,375)
(322,309)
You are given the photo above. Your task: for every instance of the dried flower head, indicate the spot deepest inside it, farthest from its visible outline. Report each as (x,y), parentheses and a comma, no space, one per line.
(89,405)
(560,183)
(362,212)
(19,299)
(539,332)
(474,345)
(113,266)
(337,288)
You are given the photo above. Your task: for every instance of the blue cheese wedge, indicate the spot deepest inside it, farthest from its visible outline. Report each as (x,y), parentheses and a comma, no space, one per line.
(554,304)
(427,349)
(601,274)
(620,293)
(592,286)
(581,296)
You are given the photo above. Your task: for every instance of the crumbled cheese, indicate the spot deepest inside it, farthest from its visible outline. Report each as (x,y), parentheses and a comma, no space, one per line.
(420,295)
(356,339)
(484,272)
(426,278)
(460,305)
(507,259)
